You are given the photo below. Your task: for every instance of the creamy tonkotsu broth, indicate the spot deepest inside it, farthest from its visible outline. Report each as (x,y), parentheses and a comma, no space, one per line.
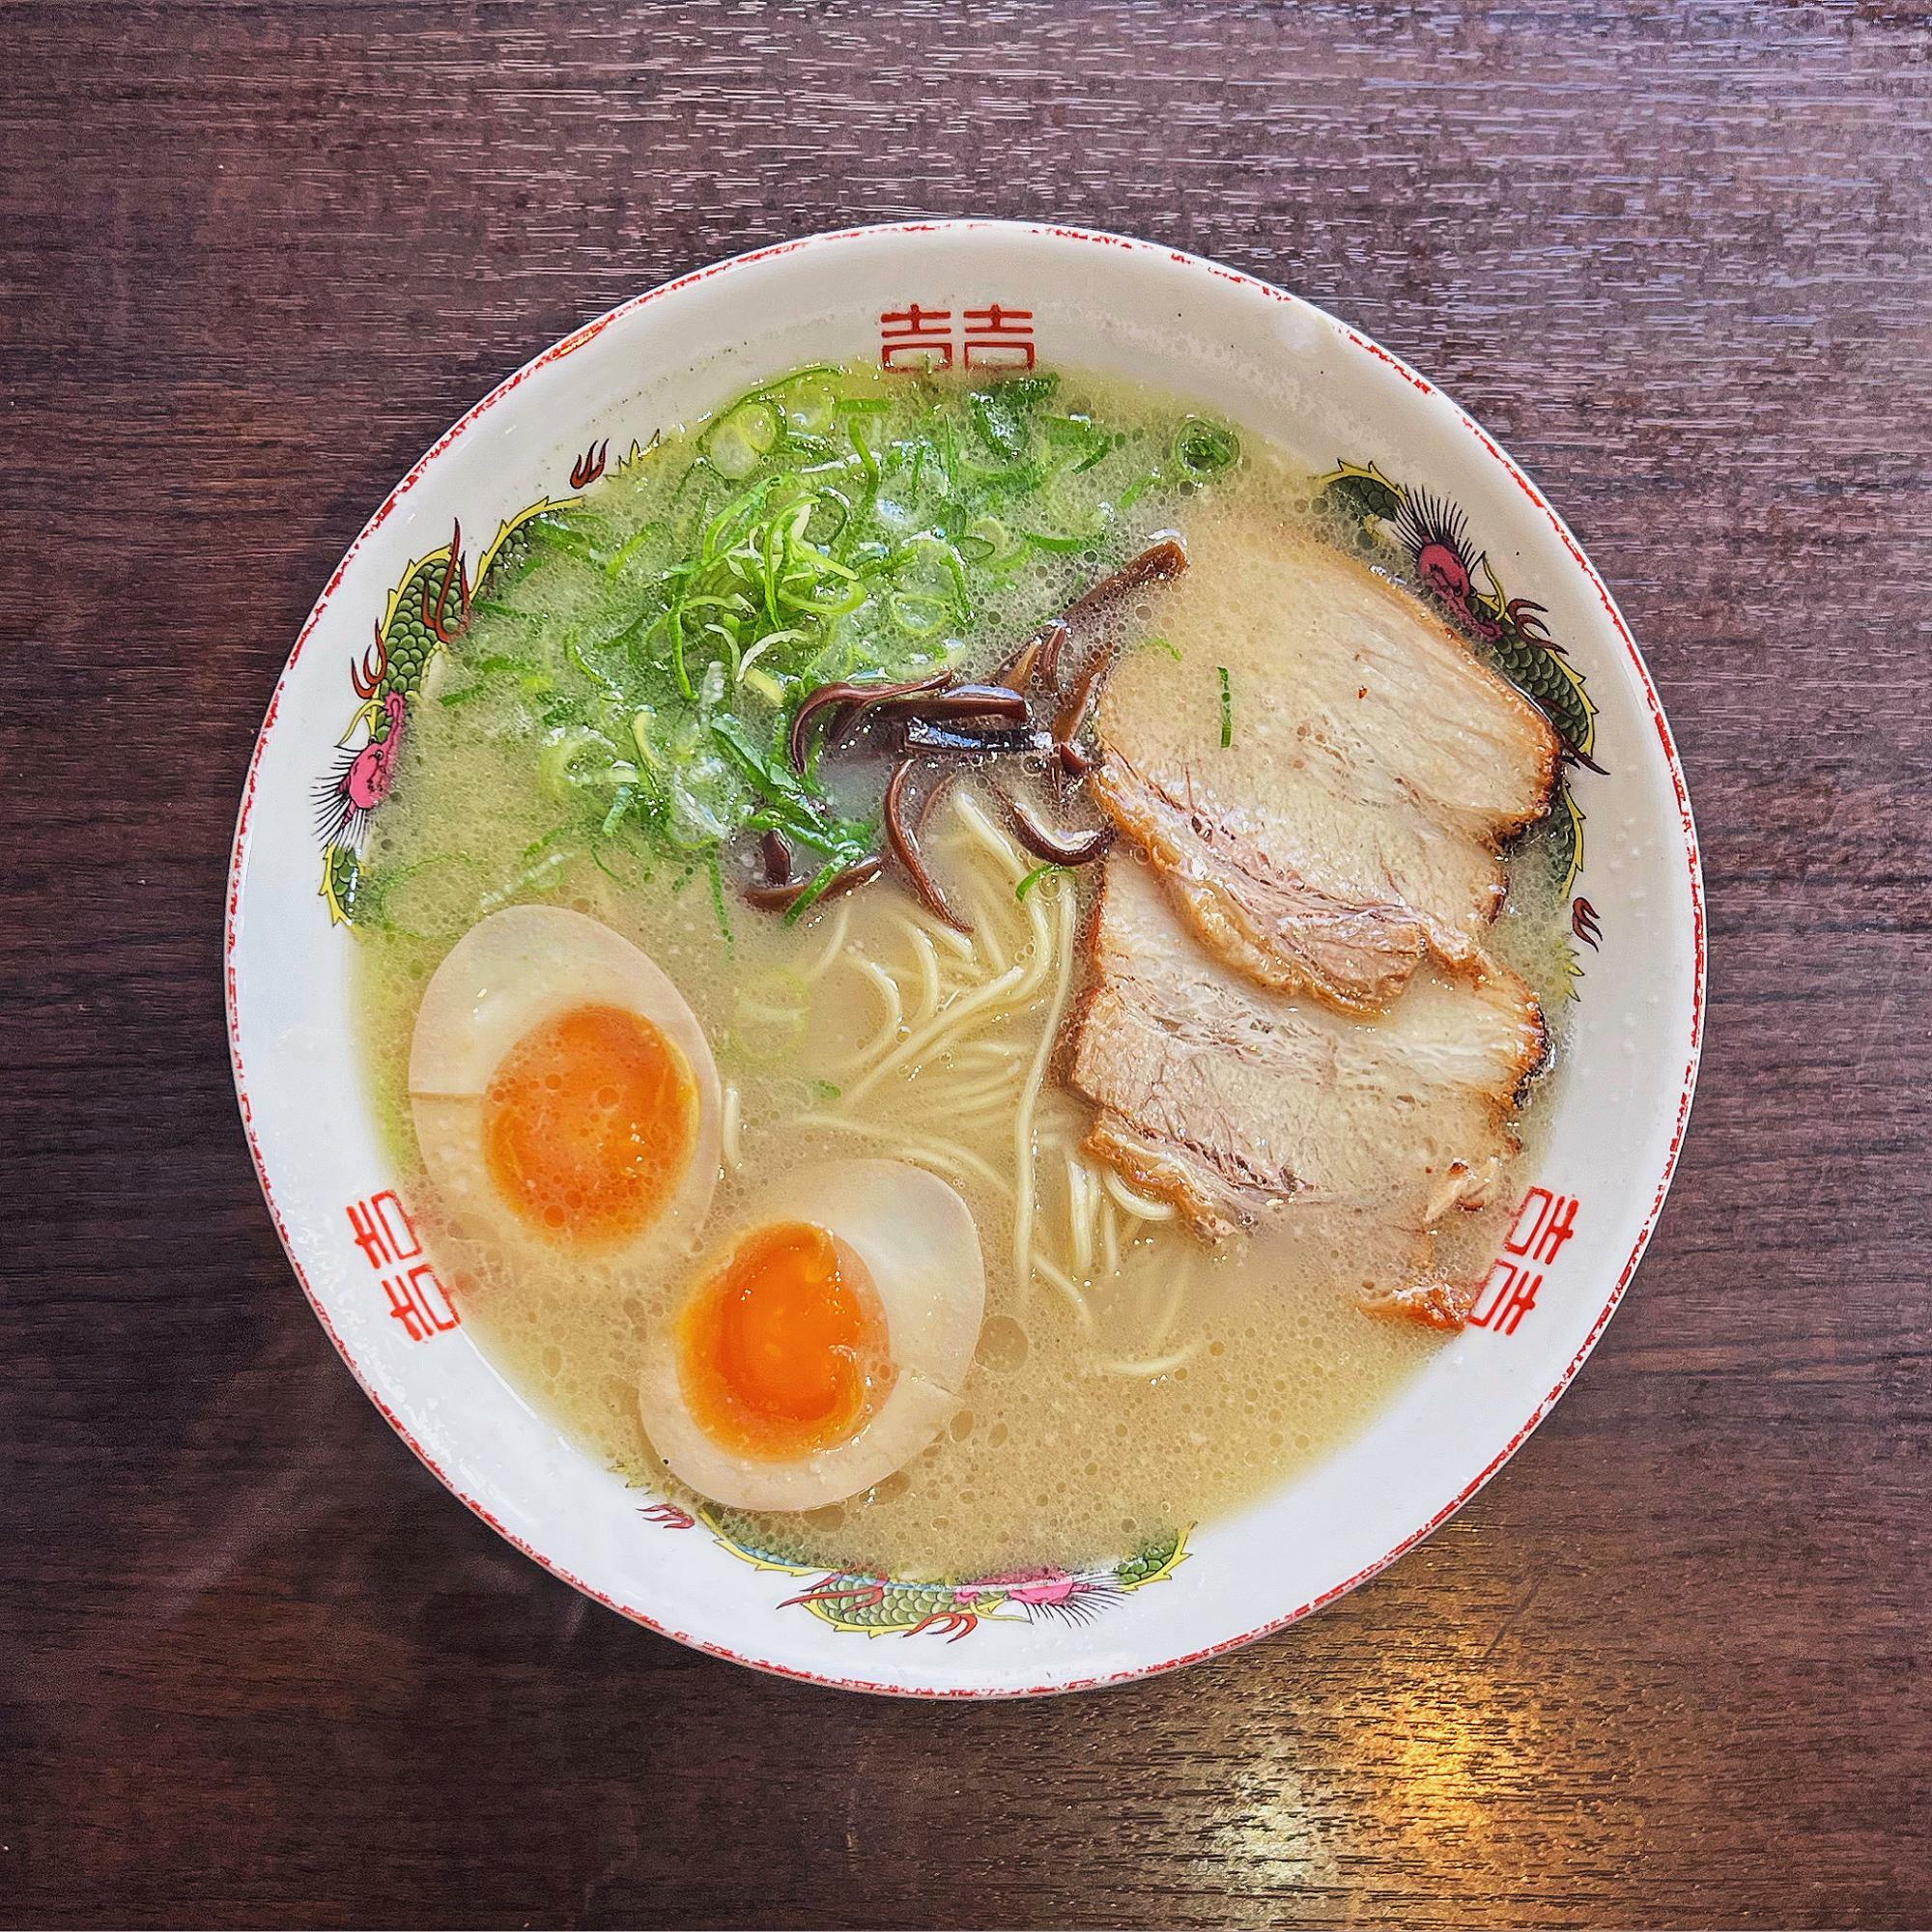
(1128,1380)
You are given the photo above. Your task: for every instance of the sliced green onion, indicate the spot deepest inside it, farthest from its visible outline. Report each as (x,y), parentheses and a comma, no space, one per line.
(867,459)
(1034,877)
(1227,708)
(582,664)
(1204,449)
(812,372)
(718,901)
(496,664)
(736,446)
(916,614)
(494,607)
(674,629)
(821,881)
(996,427)
(559,762)
(546,533)
(809,411)
(1062,546)
(629,549)
(626,797)
(1084,443)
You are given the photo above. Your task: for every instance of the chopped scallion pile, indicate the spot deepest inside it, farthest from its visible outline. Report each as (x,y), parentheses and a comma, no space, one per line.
(651,640)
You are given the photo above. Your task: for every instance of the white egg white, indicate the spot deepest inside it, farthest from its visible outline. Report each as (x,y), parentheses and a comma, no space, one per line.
(508,974)
(918,1241)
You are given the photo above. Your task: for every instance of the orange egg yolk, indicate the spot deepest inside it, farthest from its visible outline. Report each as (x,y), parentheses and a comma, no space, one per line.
(782,1347)
(588,1125)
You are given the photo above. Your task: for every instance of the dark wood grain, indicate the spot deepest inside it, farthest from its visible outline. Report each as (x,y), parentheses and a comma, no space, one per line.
(1670,1667)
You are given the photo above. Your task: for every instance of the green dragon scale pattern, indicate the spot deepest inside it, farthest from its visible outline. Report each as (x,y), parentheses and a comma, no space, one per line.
(1430,538)
(864,1605)
(408,641)
(1549,684)
(425,611)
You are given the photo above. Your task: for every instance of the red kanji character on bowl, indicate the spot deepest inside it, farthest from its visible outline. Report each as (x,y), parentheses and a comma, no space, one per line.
(1543,1223)
(916,338)
(382,1230)
(1507,1295)
(999,338)
(418,1301)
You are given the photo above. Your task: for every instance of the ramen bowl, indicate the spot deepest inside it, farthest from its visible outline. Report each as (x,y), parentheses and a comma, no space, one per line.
(978,295)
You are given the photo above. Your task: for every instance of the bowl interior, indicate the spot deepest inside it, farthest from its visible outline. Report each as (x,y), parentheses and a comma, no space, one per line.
(983,295)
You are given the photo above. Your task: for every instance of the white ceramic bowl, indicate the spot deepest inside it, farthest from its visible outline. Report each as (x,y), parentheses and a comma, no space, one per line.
(978,292)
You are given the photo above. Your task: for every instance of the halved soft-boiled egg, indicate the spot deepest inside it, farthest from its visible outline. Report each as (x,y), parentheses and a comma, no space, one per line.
(564,1094)
(824,1343)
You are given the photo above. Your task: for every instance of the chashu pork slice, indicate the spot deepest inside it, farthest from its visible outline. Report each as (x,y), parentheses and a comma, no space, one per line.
(1352,825)
(1234,1102)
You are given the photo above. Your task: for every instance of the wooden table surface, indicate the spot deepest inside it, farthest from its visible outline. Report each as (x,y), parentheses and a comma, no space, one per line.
(255,1667)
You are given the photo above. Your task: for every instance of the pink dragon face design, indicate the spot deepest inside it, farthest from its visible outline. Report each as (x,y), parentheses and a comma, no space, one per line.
(1026,1586)
(373,771)
(1448,576)
(1441,569)
(1434,535)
